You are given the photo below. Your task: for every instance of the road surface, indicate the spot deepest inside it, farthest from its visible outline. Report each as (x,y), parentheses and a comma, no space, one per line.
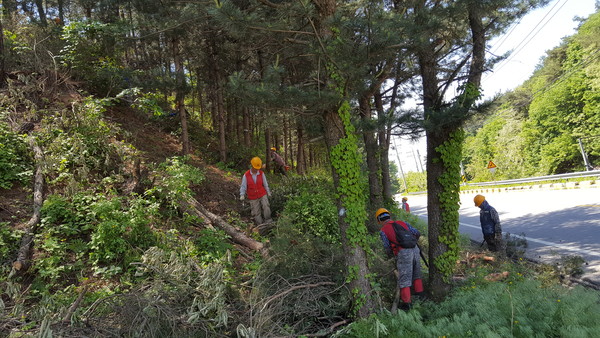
(554,222)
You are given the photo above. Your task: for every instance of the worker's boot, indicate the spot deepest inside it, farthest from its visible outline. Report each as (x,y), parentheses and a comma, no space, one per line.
(419,296)
(405,306)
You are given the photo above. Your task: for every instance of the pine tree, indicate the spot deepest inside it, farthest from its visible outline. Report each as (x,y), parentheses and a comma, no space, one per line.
(449,41)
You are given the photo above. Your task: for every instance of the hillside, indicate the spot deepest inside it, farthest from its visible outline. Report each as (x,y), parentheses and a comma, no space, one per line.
(219,192)
(544,126)
(126,126)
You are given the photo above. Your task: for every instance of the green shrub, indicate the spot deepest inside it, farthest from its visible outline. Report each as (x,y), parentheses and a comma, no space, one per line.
(315,214)
(310,205)
(211,245)
(518,309)
(97,226)
(91,50)
(416,181)
(173,181)
(9,242)
(15,163)
(80,146)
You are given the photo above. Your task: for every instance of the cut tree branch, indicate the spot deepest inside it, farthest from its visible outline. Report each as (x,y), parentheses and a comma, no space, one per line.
(24,255)
(193,207)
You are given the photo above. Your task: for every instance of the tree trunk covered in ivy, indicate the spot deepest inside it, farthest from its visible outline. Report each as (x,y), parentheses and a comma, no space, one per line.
(444,142)
(345,161)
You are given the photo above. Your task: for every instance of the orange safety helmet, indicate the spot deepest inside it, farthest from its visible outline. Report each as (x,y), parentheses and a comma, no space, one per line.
(380,212)
(404,199)
(273,148)
(478,200)
(256,163)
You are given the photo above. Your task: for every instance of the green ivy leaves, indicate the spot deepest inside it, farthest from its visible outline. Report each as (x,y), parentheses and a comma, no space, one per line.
(450,154)
(345,159)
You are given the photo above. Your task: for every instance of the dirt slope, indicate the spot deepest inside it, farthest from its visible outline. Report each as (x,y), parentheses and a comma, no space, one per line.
(218,192)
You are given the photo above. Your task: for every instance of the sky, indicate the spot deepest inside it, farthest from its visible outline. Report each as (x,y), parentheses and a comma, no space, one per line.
(529,39)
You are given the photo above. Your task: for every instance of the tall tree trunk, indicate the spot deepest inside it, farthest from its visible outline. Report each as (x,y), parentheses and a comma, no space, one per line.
(290,144)
(435,168)
(355,255)
(239,123)
(2,57)
(61,11)
(301,167)
(247,130)
(267,159)
(9,8)
(222,119)
(384,135)
(375,197)
(180,97)
(286,146)
(276,143)
(443,170)
(351,219)
(41,12)
(218,104)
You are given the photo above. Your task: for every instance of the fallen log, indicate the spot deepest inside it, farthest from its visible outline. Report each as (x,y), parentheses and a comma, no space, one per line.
(24,255)
(194,207)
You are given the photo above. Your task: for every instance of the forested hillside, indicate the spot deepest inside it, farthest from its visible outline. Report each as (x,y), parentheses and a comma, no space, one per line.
(126,127)
(535,129)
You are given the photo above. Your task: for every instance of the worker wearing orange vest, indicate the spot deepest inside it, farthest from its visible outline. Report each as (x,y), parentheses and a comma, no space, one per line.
(405,205)
(407,258)
(255,186)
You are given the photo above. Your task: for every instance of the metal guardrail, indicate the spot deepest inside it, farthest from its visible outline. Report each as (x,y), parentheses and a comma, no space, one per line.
(592,173)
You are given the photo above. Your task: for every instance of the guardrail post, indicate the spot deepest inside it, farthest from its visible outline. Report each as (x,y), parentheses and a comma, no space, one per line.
(588,167)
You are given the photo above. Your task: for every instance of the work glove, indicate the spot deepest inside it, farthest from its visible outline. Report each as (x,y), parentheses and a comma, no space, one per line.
(242,198)
(269,195)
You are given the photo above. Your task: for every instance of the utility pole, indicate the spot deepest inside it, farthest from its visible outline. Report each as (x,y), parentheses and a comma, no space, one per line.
(588,166)
(400,165)
(420,162)
(416,163)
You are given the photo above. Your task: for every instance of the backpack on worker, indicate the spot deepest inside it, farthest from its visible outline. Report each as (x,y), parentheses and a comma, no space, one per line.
(405,238)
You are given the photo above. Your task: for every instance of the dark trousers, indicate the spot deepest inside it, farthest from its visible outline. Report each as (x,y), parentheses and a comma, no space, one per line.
(492,243)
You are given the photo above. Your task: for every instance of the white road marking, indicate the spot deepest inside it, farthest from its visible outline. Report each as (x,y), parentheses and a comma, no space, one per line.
(540,241)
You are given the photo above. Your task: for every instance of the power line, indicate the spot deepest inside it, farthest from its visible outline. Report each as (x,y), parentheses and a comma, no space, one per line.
(503,39)
(558,80)
(533,36)
(522,44)
(568,74)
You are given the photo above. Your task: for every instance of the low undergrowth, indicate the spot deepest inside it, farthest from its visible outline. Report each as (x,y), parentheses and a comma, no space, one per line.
(523,308)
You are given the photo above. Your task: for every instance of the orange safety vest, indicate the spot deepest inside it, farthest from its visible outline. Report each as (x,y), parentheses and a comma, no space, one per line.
(255,190)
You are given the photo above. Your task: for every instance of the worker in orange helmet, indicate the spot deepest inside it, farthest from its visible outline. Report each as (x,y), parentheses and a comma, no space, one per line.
(490,224)
(405,205)
(279,162)
(255,186)
(400,240)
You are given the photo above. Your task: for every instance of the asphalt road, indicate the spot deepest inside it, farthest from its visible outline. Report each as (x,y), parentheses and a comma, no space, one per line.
(555,223)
